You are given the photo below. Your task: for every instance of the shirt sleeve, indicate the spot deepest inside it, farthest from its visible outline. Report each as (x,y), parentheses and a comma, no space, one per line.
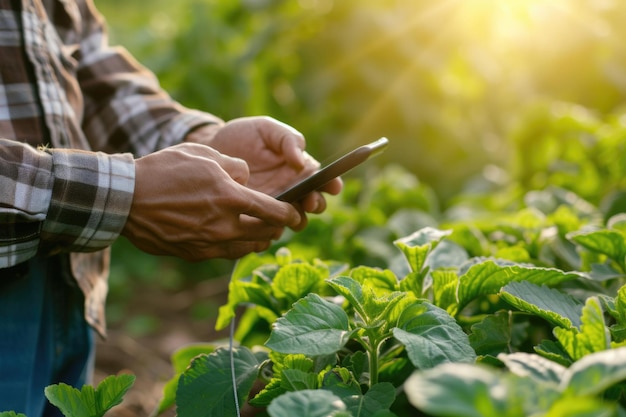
(125,109)
(55,201)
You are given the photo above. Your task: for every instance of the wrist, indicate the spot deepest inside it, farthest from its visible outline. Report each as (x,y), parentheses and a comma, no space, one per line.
(203,134)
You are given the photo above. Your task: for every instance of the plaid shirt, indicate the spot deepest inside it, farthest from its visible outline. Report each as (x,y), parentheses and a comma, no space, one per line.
(89,109)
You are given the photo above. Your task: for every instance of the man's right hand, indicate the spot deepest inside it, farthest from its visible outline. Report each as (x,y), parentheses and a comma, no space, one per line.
(190,201)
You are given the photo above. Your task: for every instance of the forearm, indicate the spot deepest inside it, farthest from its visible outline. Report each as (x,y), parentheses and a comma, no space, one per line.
(125,108)
(55,201)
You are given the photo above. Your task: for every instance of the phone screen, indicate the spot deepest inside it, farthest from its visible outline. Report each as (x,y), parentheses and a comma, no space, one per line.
(333,170)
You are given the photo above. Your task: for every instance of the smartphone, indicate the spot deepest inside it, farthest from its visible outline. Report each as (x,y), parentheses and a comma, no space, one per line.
(333,170)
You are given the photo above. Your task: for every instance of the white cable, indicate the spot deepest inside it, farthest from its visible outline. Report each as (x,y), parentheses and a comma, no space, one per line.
(231,339)
(232,366)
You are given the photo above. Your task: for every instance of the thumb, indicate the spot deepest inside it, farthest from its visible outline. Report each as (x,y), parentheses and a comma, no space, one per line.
(236,168)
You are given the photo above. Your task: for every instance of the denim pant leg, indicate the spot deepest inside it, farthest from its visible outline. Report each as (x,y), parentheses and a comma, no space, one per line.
(44,338)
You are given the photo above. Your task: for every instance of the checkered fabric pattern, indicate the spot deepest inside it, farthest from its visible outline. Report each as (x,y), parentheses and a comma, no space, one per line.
(74,112)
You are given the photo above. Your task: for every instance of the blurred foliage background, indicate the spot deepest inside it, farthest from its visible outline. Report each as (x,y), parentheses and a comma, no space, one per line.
(473,94)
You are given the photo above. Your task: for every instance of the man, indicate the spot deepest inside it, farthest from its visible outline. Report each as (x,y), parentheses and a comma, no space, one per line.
(90,149)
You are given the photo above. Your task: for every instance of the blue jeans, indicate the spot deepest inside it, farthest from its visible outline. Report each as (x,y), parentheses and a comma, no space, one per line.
(44,338)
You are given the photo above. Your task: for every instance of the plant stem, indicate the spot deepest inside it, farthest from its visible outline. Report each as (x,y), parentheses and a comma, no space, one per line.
(373,354)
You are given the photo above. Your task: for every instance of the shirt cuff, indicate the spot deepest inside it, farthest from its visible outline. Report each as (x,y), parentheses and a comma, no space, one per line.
(91,198)
(174,131)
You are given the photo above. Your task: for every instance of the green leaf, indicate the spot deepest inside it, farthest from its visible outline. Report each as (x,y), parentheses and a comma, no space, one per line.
(493,335)
(595,373)
(242,292)
(553,351)
(11,414)
(378,398)
(352,291)
(550,304)
(417,246)
(446,254)
(73,402)
(307,403)
(581,407)
(607,242)
(169,395)
(89,402)
(313,326)
(373,309)
(489,276)
(534,366)
(294,281)
(620,305)
(593,336)
(431,336)
(277,386)
(296,380)
(357,364)
(245,287)
(341,382)
(445,283)
(461,390)
(617,309)
(182,357)
(205,389)
(382,279)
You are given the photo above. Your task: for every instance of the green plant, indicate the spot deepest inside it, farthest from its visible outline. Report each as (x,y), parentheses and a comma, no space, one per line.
(361,339)
(88,401)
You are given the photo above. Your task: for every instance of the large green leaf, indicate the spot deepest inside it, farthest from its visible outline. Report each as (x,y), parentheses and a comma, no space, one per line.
(607,242)
(595,373)
(89,402)
(205,389)
(555,306)
(180,361)
(593,336)
(431,336)
(314,326)
(489,276)
(11,414)
(461,390)
(534,366)
(308,403)
(469,390)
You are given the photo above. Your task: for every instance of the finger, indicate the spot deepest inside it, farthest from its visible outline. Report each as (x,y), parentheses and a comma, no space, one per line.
(255,229)
(285,140)
(333,187)
(270,210)
(314,203)
(236,168)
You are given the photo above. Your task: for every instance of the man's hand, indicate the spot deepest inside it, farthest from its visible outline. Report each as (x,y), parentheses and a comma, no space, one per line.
(274,152)
(191,201)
